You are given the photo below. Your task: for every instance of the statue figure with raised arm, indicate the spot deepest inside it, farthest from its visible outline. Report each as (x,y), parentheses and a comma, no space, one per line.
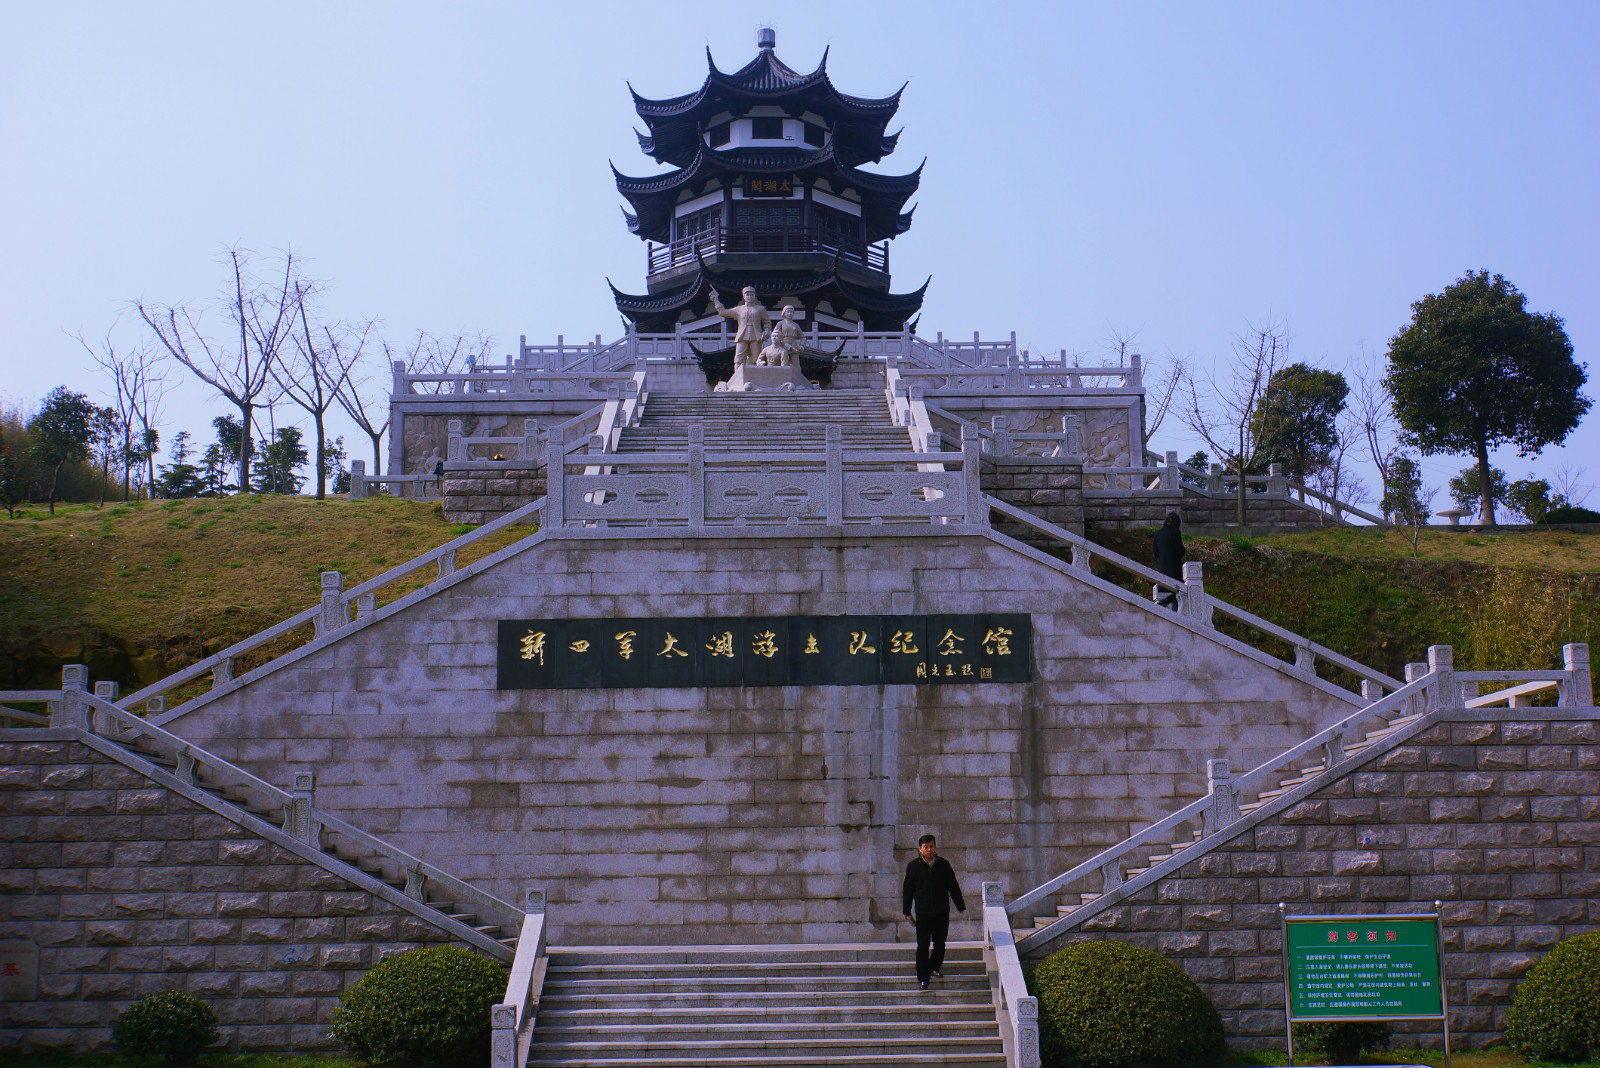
(753,321)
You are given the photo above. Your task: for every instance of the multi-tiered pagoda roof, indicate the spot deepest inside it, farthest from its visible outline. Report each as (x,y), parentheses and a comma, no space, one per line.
(767,190)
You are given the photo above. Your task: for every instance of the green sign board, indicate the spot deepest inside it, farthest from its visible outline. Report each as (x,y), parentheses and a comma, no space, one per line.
(1362,967)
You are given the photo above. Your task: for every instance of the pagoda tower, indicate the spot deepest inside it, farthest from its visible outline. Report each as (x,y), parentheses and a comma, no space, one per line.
(768,192)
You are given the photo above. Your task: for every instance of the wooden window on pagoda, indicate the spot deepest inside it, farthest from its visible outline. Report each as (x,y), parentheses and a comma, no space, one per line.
(814,135)
(766,129)
(766,215)
(837,222)
(697,224)
(721,134)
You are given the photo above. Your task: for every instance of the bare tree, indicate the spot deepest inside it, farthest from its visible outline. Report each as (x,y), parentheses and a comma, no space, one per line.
(323,358)
(1372,412)
(1221,408)
(262,314)
(1334,479)
(137,386)
(1160,391)
(1564,479)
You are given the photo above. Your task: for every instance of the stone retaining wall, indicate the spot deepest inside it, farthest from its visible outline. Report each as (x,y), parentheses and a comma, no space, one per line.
(1500,821)
(480,494)
(1198,509)
(1050,489)
(129,888)
(763,814)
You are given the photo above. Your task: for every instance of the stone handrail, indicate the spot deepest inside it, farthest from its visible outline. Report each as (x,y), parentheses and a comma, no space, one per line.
(361,483)
(73,706)
(562,382)
(994,443)
(1193,602)
(1214,483)
(1024,374)
(834,488)
(1433,686)
(1016,1011)
(332,613)
(1223,791)
(512,1020)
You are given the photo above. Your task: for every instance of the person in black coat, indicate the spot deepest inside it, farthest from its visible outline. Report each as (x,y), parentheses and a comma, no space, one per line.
(930,886)
(1169,556)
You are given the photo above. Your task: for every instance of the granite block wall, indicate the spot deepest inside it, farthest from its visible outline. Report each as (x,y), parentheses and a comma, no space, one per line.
(1498,820)
(480,494)
(763,814)
(128,888)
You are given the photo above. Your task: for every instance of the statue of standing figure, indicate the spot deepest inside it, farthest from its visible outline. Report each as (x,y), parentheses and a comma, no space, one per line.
(783,348)
(753,321)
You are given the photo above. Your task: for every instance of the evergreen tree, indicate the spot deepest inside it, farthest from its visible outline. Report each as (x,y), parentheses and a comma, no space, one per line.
(279,460)
(60,433)
(1467,492)
(181,478)
(1296,419)
(1474,369)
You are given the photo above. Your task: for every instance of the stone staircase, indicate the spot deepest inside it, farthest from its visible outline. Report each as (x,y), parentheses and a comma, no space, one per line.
(1284,785)
(384,869)
(763,1005)
(757,422)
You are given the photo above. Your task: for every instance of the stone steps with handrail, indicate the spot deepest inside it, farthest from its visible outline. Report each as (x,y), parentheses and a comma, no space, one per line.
(1430,689)
(461,910)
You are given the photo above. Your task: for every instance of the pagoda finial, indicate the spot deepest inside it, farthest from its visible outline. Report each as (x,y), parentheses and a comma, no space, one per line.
(766,38)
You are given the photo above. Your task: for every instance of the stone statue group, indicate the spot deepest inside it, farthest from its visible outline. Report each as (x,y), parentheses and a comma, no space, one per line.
(782,347)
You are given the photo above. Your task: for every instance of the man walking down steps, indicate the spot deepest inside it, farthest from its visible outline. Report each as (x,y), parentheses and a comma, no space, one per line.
(930,886)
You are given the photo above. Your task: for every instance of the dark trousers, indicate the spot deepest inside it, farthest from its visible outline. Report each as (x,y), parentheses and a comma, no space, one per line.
(931,931)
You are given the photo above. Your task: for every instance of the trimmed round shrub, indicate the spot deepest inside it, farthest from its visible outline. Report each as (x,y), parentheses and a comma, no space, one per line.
(1114,1004)
(171,1024)
(1341,1042)
(1570,513)
(429,1005)
(1555,1013)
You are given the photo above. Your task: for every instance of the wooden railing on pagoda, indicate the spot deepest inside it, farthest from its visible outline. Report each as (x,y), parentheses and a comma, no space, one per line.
(767,240)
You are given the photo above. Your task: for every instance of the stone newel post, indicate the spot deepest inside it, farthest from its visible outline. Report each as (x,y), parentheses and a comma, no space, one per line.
(1577,689)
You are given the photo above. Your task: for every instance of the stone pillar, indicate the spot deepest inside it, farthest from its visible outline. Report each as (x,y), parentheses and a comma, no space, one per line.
(976,512)
(1222,806)
(1444,692)
(1277,484)
(358,480)
(333,614)
(1214,480)
(1577,690)
(555,494)
(835,477)
(1192,598)
(1371,691)
(1169,472)
(301,823)
(697,472)
(69,711)
(99,720)
(454,449)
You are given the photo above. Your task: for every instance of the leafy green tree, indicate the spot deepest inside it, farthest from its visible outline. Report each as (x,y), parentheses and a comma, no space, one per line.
(1406,499)
(1295,420)
(1466,491)
(1474,369)
(279,461)
(181,478)
(1530,498)
(60,433)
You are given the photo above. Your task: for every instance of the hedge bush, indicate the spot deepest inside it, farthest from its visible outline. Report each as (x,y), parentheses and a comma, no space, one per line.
(1570,513)
(1555,1013)
(1105,1004)
(171,1024)
(1342,1042)
(430,1005)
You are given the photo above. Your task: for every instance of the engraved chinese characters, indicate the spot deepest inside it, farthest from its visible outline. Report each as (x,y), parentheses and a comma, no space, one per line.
(791,651)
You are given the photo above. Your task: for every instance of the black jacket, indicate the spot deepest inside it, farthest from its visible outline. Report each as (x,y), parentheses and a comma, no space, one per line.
(931,887)
(1169,552)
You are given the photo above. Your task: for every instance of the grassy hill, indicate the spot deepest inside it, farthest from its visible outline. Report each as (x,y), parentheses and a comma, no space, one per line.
(140,590)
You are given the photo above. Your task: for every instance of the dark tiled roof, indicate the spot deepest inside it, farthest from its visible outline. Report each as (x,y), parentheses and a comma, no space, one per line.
(654,196)
(676,123)
(879,309)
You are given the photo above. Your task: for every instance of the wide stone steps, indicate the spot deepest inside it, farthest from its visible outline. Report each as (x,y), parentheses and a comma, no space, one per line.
(364,862)
(745,422)
(1300,777)
(750,1005)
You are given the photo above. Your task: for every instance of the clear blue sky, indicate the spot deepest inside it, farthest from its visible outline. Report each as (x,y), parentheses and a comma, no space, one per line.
(1171,170)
